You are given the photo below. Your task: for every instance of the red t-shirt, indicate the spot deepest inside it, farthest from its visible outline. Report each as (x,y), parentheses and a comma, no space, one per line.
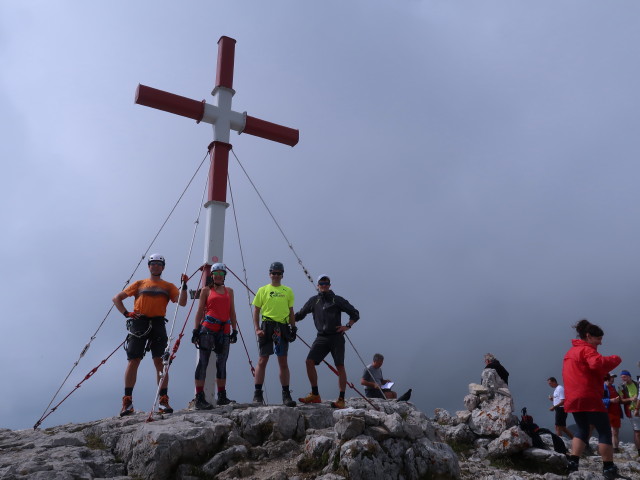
(219,307)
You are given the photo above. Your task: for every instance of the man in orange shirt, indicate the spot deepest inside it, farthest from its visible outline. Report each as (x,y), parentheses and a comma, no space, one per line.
(146,325)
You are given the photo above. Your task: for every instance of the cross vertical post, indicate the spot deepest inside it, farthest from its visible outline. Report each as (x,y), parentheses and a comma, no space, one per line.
(223,119)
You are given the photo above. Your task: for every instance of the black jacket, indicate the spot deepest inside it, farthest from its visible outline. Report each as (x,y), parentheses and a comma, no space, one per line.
(326,309)
(502,372)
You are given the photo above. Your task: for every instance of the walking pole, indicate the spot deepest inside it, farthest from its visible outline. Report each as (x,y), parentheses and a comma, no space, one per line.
(384,397)
(334,370)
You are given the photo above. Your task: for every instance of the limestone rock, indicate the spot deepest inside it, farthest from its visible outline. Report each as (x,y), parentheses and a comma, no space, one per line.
(492,380)
(493,417)
(463,416)
(443,417)
(471,402)
(510,441)
(475,389)
(238,441)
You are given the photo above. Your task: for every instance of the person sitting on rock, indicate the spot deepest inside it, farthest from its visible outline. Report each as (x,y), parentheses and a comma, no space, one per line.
(492,362)
(374,382)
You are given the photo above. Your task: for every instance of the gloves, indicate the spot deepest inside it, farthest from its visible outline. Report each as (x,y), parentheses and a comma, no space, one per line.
(293,333)
(195,336)
(184,279)
(233,338)
(133,315)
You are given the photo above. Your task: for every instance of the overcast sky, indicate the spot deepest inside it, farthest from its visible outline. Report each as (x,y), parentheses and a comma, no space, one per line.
(467,174)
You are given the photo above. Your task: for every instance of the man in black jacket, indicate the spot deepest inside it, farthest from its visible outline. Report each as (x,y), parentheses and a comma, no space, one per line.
(326,308)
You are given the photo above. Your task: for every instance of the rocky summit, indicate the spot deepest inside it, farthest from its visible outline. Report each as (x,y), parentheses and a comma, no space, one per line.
(237,441)
(390,440)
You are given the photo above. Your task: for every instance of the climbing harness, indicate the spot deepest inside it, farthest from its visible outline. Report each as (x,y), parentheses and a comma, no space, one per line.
(95,333)
(168,357)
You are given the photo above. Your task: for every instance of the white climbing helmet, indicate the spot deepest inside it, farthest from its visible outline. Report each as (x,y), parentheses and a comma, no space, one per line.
(156,257)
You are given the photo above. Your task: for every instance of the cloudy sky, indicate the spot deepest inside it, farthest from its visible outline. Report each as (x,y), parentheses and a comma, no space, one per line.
(467,174)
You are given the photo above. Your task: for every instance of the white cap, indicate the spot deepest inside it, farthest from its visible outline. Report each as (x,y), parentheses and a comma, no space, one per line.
(323,276)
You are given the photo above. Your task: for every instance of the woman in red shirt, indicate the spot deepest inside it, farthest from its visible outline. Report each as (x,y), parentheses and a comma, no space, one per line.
(215,328)
(583,369)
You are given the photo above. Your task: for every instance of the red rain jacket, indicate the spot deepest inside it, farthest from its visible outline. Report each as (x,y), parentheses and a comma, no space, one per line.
(583,371)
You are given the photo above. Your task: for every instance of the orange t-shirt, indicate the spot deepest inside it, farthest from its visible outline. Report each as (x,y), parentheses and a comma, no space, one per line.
(152,296)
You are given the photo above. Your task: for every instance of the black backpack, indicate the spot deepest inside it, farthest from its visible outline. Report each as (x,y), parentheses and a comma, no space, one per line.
(534,431)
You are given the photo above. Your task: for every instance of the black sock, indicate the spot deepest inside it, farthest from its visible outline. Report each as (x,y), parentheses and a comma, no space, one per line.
(128,391)
(258,386)
(606,465)
(574,458)
(222,392)
(341,395)
(285,389)
(314,390)
(163,391)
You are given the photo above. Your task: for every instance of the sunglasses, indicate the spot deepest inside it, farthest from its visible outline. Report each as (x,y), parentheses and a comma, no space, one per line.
(218,274)
(156,263)
(276,273)
(324,284)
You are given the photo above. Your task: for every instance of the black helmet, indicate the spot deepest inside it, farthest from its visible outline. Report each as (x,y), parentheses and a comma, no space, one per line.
(276,267)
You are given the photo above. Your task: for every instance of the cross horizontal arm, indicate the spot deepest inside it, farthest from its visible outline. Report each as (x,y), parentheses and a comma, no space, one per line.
(271,131)
(187,107)
(169,102)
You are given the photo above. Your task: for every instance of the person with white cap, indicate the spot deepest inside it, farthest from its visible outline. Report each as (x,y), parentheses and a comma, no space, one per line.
(326,308)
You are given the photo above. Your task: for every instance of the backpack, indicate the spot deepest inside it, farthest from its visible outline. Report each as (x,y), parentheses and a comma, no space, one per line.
(534,431)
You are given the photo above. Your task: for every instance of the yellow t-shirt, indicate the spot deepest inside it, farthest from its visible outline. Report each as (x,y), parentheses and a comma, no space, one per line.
(152,296)
(274,302)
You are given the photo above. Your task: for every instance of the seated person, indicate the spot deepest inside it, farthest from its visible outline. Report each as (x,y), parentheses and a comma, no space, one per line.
(373,381)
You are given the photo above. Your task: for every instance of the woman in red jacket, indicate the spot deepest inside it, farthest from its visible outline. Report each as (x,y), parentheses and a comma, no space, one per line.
(582,371)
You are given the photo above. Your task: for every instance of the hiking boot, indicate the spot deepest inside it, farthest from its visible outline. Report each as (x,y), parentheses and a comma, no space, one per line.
(572,466)
(288,401)
(201,402)
(164,405)
(611,472)
(340,403)
(223,399)
(257,397)
(405,396)
(127,406)
(311,398)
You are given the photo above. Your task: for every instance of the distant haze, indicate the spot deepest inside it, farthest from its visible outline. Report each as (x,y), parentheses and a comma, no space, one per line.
(467,174)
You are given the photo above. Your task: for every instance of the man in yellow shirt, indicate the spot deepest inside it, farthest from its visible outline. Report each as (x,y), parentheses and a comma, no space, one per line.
(273,304)
(146,325)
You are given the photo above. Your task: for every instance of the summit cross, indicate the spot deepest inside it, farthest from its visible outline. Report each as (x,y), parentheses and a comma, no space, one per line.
(223,119)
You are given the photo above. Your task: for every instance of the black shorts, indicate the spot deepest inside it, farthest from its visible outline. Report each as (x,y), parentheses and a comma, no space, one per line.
(274,339)
(325,344)
(600,420)
(561,417)
(155,338)
(375,392)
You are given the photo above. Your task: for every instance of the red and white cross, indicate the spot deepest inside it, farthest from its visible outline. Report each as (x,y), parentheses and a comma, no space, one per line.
(223,119)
